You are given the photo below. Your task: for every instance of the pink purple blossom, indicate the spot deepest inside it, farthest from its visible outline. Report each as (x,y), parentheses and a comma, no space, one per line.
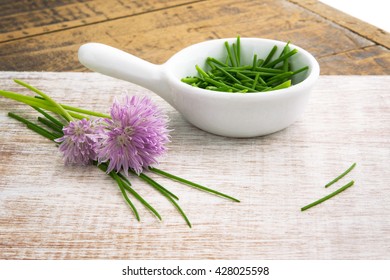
(135,135)
(79,142)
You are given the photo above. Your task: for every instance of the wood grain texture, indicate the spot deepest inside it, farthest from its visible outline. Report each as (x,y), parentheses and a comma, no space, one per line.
(24,18)
(48,211)
(155,31)
(365,29)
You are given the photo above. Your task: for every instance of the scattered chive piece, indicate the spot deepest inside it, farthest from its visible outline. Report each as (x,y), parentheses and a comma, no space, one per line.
(328,196)
(232,76)
(341,175)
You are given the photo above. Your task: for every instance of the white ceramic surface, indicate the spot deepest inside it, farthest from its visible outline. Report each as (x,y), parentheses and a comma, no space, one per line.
(221,113)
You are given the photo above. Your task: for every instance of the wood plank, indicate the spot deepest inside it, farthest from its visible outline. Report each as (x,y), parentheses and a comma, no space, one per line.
(20,19)
(181,26)
(48,211)
(373,60)
(364,29)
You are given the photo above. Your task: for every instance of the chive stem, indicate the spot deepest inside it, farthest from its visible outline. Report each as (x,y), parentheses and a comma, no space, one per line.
(192,184)
(157,185)
(36,128)
(341,175)
(49,117)
(168,195)
(230,54)
(48,98)
(127,186)
(51,125)
(328,196)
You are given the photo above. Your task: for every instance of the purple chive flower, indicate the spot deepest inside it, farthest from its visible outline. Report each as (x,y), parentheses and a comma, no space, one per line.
(135,135)
(80,141)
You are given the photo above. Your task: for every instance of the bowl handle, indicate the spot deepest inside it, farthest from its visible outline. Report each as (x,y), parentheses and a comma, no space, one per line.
(121,65)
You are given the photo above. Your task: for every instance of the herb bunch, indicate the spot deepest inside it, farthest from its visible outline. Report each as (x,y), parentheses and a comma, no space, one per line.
(263,74)
(126,142)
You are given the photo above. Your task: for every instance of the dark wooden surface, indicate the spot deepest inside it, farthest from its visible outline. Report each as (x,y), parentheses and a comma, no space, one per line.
(45,35)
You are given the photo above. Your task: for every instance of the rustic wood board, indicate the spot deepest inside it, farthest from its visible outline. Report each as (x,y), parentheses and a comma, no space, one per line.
(45,35)
(48,211)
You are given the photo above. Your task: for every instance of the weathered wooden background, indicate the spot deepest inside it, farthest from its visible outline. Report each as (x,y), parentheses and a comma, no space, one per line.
(45,35)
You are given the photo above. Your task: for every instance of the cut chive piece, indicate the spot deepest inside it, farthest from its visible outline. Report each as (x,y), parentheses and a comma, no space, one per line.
(341,175)
(238,50)
(281,58)
(270,55)
(328,196)
(230,54)
(273,72)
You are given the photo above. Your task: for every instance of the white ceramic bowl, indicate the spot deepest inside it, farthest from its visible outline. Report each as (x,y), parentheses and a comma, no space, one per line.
(221,113)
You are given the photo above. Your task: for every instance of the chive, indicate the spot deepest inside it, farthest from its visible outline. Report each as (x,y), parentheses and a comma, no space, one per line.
(51,125)
(328,196)
(230,57)
(143,201)
(124,194)
(36,128)
(238,55)
(201,71)
(168,195)
(49,117)
(49,99)
(74,110)
(286,49)
(254,63)
(260,75)
(192,184)
(190,80)
(43,132)
(216,61)
(228,75)
(300,70)
(270,55)
(219,84)
(281,58)
(285,61)
(157,185)
(285,84)
(242,87)
(341,175)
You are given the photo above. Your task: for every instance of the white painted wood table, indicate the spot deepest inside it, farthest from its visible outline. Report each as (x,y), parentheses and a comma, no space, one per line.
(48,211)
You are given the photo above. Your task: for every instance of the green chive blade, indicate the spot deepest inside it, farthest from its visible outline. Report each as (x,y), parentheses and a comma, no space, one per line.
(48,98)
(343,188)
(341,175)
(195,185)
